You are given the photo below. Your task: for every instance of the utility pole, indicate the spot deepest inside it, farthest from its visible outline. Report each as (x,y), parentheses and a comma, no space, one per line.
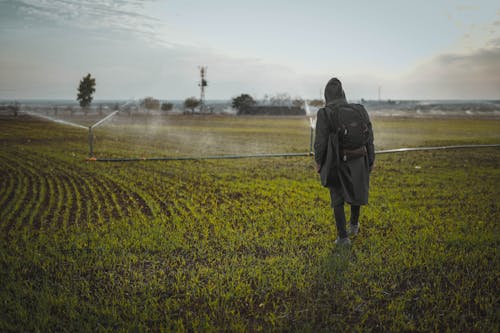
(379,89)
(203,83)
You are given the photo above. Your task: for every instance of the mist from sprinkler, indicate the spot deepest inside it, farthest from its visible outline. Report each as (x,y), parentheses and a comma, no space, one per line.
(309,114)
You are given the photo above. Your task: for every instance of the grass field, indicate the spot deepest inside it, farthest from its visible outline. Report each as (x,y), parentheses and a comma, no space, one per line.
(244,245)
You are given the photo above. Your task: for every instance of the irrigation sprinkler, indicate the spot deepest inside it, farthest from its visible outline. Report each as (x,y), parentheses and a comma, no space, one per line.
(91,135)
(91,145)
(69,123)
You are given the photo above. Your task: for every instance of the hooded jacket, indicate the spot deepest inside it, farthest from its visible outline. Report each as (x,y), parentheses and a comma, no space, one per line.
(354,174)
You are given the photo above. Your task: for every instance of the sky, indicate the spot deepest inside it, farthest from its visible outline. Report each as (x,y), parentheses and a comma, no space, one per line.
(427,49)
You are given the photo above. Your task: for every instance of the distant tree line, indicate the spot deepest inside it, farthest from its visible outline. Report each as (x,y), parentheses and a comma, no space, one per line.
(279,104)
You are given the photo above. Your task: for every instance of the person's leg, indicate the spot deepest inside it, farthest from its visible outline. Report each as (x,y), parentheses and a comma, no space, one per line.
(337,201)
(340,221)
(354,227)
(355,214)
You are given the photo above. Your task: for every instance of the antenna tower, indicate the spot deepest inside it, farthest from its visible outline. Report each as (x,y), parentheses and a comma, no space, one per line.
(203,83)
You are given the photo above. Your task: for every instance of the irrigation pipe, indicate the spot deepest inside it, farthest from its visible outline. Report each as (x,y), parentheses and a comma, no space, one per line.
(220,157)
(435,148)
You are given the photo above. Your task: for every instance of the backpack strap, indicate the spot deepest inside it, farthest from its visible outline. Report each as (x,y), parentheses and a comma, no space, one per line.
(334,123)
(359,109)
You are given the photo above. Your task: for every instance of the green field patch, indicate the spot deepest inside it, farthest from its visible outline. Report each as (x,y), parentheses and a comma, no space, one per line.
(248,244)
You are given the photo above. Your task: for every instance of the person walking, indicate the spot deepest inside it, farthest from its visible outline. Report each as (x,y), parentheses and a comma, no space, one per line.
(355,156)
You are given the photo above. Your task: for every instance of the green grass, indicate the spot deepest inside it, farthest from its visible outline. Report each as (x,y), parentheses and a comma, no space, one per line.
(244,245)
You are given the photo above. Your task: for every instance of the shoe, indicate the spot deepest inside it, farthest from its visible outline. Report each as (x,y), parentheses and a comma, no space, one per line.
(353,231)
(343,241)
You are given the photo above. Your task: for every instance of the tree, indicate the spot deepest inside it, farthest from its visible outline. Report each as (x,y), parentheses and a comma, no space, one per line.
(191,103)
(243,102)
(167,106)
(85,91)
(150,103)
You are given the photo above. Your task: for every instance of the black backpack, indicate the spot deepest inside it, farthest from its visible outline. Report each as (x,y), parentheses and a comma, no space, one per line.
(352,126)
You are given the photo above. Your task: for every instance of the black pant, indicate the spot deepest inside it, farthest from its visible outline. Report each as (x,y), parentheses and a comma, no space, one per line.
(340,218)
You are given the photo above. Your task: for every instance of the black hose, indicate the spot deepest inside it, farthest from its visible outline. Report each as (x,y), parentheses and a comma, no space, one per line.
(220,157)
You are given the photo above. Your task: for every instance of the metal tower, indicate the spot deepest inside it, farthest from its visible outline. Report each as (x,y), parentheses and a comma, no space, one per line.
(203,83)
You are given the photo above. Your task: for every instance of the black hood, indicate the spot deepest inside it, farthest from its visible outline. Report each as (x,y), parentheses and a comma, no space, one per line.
(334,94)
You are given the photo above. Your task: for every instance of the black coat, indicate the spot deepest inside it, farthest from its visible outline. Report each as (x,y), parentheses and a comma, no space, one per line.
(354,174)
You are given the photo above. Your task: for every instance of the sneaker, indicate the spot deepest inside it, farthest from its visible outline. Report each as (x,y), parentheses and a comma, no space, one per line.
(353,231)
(343,241)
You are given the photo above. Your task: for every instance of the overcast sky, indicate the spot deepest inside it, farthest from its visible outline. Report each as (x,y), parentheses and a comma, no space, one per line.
(427,49)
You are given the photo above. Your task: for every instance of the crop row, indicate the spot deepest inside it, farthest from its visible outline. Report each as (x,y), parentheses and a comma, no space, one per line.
(40,192)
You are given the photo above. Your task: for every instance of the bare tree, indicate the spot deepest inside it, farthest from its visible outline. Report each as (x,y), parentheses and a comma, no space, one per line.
(281,99)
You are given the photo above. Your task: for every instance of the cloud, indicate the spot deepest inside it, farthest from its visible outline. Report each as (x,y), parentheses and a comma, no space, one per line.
(473,75)
(108,16)
(451,75)
(126,66)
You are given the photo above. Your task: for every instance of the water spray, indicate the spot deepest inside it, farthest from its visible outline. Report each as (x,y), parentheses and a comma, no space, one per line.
(104,119)
(90,133)
(60,121)
(312,125)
